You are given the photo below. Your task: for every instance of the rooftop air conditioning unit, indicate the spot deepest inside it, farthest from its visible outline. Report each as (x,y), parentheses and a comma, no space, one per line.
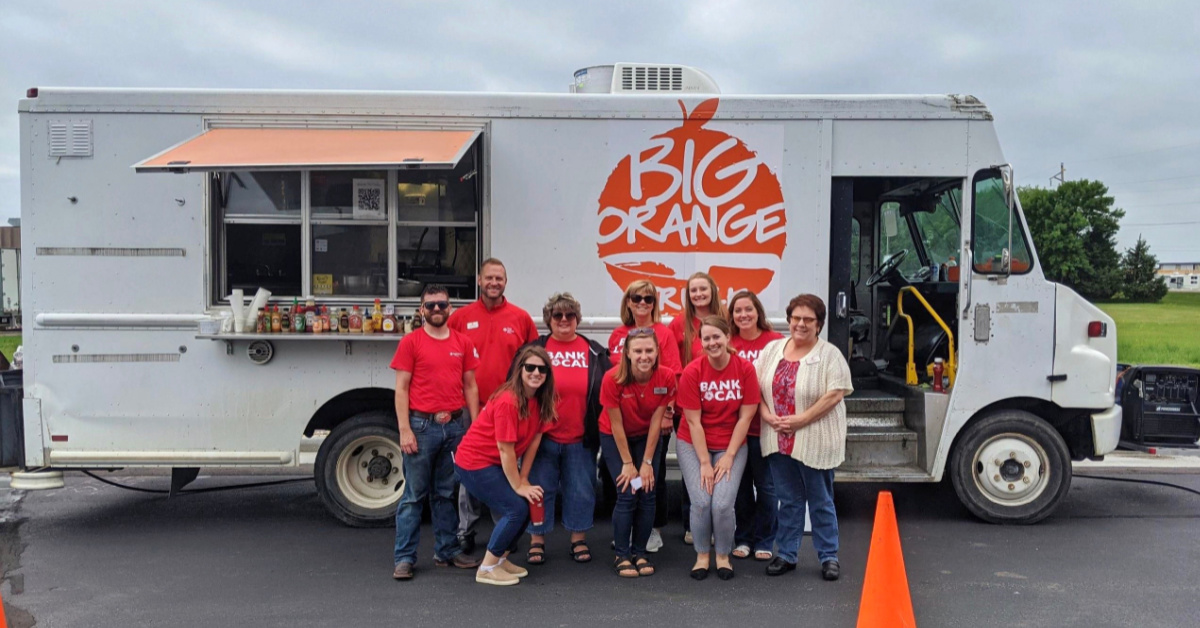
(643,78)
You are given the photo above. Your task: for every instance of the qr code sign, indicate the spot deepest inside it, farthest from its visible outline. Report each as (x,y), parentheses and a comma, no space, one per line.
(369,199)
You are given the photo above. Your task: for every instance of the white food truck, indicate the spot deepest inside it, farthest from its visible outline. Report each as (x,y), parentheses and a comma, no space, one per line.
(143,210)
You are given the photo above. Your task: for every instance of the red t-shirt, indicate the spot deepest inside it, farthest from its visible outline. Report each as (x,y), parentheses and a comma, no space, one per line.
(748,350)
(676,327)
(499,422)
(570,363)
(718,395)
(637,402)
(497,334)
(437,368)
(668,347)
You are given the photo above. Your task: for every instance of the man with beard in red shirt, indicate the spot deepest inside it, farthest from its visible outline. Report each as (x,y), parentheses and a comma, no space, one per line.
(497,328)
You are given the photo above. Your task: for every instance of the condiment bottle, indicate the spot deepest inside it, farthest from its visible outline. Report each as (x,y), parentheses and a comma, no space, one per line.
(938,369)
(408,324)
(344,322)
(261,322)
(377,316)
(299,320)
(325,322)
(418,320)
(356,321)
(276,324)
(335,322)
(389,319)
(310,315)
(286,320)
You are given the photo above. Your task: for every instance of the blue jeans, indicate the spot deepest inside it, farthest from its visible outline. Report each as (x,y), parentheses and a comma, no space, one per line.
(756,506)
(798,485)
(642,502)
(432,467)
(511,511)
(571,470)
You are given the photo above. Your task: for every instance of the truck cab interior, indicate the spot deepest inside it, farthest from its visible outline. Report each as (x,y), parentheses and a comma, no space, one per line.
(891,233)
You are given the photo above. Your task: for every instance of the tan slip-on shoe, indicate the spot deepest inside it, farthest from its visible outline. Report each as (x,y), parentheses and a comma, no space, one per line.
(403,571)
(497,576)
(513,569)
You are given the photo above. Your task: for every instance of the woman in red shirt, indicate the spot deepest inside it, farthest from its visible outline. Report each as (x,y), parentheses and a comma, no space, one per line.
(635,396)
(509,429)
(703,299)
(639,310)
(719,395)
(756,502)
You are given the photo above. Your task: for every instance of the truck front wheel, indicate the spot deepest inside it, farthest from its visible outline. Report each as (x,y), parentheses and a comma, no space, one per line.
(1011,467)
(358,470)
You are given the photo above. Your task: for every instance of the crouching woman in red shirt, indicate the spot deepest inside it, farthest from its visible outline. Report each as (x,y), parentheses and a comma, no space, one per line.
(494,458)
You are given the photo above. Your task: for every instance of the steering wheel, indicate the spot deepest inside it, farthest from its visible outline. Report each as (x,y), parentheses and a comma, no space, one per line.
(887,267)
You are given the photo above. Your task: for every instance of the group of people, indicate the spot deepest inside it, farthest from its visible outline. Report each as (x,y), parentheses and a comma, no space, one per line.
(519,420)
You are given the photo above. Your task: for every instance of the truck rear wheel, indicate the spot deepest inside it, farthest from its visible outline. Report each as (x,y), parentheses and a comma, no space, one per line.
(358,470)
(1011,467)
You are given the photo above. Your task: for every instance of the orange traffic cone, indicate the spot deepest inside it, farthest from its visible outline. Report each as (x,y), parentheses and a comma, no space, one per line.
(886,602)
(3,619)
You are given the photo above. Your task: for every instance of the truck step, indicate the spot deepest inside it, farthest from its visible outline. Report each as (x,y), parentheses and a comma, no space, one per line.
(875,447)
(907,473)
(873,402)
(871,421)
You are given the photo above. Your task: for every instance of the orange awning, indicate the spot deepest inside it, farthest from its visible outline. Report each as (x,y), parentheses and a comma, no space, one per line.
(276,149)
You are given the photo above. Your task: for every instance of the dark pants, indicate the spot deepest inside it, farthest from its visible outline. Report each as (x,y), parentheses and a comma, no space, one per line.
(799,485)
(756,505)
(490,486)
(634,511)
(661,498)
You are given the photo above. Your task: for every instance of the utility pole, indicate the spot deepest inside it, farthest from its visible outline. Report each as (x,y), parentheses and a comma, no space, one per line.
(1061,177)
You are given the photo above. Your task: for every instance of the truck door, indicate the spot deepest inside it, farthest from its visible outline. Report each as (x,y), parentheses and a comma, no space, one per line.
(1007,306)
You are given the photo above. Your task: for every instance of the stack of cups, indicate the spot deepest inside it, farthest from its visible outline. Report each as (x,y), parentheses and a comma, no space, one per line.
(236,303)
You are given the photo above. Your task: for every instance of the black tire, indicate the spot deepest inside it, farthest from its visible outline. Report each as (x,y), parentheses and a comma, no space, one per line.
(997,486)
(348,488)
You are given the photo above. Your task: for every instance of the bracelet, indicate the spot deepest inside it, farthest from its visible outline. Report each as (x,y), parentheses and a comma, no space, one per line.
(625,463)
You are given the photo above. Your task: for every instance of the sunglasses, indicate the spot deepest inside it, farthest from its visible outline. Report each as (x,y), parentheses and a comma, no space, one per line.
(436,305)
(638,298)
(540,368)
(641,331)
(808,320)
(558,316)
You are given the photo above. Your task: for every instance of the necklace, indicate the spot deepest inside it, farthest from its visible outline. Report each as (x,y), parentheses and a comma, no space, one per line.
(640,389)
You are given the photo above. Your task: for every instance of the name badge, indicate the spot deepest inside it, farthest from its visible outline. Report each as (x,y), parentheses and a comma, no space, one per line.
(812,359)
(473,325)
(660,390)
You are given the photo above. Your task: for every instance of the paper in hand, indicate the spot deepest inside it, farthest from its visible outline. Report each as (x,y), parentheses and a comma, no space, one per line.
(636,483)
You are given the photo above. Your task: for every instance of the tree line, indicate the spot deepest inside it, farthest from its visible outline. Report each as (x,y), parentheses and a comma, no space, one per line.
(1074,228)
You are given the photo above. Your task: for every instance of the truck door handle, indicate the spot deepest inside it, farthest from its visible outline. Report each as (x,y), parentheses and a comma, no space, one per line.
(843,307)
(1057,378)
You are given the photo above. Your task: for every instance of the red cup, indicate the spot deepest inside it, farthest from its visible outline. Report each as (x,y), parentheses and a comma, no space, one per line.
(537,512)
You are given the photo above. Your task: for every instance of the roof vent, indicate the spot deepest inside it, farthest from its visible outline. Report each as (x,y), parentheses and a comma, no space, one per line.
(643,78)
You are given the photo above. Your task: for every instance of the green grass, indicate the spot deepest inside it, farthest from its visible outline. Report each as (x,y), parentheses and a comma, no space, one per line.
(1167,332)
(8,344)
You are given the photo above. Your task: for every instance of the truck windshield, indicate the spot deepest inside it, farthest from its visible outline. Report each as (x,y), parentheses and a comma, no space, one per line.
(939,229)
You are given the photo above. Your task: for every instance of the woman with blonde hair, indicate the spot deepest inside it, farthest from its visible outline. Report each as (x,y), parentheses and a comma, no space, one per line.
(635,395)
(640,310)
(495,456)
(703,299)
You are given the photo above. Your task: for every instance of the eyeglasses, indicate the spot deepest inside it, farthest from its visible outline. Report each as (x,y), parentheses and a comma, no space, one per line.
(807,320)
(570,316)
(641,331)
(638,298)
(436,305)
(540,368)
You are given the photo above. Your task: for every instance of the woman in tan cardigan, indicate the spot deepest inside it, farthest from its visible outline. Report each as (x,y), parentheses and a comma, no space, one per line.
(803,380)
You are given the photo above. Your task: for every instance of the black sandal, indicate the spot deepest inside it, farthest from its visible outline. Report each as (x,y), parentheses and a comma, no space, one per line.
(536,557)
(577,554)
(644,566)
(624,568)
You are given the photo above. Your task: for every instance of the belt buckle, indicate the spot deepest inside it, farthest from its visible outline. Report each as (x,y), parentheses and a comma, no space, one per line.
(443,417)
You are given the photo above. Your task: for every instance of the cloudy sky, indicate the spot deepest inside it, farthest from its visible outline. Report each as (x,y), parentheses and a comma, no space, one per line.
(1111,90)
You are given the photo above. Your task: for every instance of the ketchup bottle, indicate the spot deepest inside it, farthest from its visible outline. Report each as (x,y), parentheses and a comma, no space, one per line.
(938,369)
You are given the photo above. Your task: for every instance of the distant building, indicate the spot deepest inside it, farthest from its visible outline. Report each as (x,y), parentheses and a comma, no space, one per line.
(1181,276)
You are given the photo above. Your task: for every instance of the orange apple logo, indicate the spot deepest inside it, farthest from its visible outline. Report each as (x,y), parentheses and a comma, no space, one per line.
(695,199)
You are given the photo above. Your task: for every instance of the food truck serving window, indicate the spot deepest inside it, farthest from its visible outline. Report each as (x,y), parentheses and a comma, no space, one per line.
(342,214)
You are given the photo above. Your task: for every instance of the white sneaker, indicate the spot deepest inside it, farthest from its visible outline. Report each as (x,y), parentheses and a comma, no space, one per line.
(497,576)
(655,542)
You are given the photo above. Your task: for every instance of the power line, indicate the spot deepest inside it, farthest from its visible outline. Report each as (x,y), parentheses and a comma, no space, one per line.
(1161,224)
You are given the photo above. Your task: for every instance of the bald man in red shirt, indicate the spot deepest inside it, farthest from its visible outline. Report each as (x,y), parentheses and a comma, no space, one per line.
(497,328)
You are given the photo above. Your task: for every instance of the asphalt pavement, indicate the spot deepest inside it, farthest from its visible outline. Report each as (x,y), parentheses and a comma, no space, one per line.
(1114,554)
